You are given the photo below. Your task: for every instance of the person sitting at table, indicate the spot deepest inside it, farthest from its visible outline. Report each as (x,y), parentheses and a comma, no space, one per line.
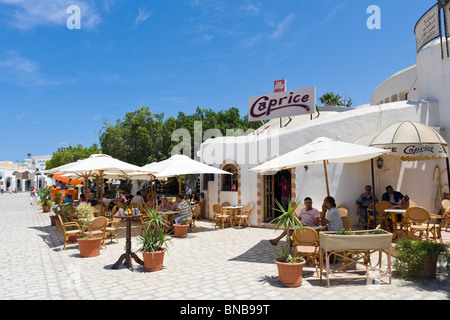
(164,205)
(68,199)
(194,198)
(91,200)
(138,198)
(332,217)
(122,197)
(395,197)
(364,202)
(82,197)
(309,216)
(182,207)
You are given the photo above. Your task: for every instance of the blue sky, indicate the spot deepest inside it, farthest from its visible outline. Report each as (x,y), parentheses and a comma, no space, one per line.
(57,84)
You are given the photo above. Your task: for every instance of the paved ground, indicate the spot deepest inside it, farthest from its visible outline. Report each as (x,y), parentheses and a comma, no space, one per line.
(210,264)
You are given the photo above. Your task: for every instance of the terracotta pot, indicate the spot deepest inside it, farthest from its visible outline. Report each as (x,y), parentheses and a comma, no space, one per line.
(89,247)
(430,266)
(290,274)
(53,220)
(46,208)
(153,261)
(181,230)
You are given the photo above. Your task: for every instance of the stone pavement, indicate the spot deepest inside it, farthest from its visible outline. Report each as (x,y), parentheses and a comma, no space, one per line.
(209,264)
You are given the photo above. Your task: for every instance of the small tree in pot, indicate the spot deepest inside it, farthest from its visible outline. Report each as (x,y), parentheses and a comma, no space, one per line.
(89,246)
(290,267)
(153,241)
(419,259)
(45,199)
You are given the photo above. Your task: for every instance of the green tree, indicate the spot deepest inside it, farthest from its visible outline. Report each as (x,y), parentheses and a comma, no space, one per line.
(334,99)
(143,137)
(138,138)
(72,154)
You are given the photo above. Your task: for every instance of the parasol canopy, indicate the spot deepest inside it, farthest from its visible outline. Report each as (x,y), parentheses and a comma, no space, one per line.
(409,140)
(62,178)
(322,150)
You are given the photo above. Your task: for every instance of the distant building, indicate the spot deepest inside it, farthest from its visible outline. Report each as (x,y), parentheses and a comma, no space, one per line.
(24,174)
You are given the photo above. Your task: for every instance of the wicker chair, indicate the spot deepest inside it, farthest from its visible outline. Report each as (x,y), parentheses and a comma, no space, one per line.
(436,228)
(243,216)
(113,228)
(220,216)
(446,208)
(98,227)
(70,229)
(343,212)
(419,221)
(347,222)
(381,215)
(193,217)
(306,243)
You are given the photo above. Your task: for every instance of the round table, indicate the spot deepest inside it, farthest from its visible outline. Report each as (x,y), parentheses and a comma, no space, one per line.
(128,254)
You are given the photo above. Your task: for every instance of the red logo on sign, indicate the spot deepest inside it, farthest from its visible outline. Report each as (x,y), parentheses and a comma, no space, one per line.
(279,86)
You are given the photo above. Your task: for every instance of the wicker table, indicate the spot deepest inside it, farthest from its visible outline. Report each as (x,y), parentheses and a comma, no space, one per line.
(128,254)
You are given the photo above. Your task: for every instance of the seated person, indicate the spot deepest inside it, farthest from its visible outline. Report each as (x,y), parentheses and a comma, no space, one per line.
(122,197)
(194,198)
(364,202)
(309,215)
(182,207)
(332,217)
(91,200)
(138,198)
(68,199)
(82,198)
(164,205)
(394,197)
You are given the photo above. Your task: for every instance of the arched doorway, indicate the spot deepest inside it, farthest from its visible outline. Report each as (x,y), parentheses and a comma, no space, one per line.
(272,188)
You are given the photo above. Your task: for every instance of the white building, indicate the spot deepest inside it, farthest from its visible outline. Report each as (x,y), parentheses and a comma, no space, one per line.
(23,175)
(419,93)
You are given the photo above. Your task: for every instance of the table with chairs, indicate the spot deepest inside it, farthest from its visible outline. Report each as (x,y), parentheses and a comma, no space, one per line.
(234,215)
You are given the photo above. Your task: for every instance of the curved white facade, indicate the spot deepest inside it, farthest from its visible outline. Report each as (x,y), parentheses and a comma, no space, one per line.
(419,93)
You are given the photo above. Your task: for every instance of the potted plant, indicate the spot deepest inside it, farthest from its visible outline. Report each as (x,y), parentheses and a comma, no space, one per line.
(153,241)
(56,209)
(290,267)
(45,199)
(419,259)
(181,228)
(89,246)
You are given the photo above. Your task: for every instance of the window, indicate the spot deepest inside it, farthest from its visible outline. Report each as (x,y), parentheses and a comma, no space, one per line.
(206,179)
(230,181)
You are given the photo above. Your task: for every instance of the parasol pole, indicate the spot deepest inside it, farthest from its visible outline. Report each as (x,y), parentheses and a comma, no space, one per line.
(326,176)
(101,192)
(179,184)
(448,171)
(373,196)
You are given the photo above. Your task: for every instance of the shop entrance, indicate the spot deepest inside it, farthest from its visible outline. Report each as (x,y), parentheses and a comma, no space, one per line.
(271,191)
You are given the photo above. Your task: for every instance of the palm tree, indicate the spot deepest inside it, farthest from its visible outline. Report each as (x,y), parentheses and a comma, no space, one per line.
(331,99)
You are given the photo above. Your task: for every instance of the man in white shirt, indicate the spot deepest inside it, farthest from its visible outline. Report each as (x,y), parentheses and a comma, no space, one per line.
(182,207)
(138,198)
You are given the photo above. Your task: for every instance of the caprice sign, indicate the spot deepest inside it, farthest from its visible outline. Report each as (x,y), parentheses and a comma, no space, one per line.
(282,104)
